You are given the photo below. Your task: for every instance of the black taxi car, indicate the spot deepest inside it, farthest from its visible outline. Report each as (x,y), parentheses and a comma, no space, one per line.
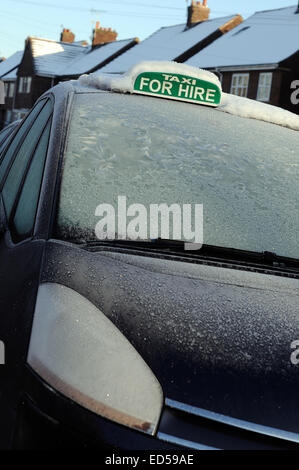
(138,343)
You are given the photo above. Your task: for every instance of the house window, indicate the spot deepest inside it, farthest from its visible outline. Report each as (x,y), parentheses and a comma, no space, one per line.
(8,116)
(25,84)
(11,90)
(6,88)
(19,115)
(240,84)
(264,87)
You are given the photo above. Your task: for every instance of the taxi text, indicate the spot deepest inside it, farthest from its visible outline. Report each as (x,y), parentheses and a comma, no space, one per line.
(187,88)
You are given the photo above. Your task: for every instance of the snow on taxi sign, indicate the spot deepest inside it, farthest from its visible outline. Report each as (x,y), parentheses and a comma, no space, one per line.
(178,86)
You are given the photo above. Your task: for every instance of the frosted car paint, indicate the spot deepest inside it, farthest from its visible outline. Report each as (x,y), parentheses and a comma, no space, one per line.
(154,294)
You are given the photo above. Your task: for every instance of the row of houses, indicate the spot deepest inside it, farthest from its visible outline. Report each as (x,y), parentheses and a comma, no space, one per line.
(43,63)
(257,58)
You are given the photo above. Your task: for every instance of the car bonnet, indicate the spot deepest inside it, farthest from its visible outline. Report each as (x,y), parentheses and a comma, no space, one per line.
(216,338)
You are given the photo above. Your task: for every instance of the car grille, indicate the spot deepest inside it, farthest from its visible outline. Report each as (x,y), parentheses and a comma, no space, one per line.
(196,428)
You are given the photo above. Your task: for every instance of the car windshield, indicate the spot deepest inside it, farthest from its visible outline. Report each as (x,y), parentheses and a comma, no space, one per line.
(244,172)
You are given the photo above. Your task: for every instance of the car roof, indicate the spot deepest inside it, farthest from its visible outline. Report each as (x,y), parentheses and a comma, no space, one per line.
(231,104)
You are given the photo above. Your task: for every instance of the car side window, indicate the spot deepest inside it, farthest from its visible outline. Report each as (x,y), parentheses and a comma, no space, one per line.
(4,142)
(22,159)
(7,156)
(4,134)
(23,221)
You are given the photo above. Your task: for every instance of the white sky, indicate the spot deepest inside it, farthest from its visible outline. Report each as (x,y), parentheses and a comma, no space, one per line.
(131,18)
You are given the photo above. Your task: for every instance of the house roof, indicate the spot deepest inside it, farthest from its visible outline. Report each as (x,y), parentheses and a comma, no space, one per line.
(10,76)
(92,58)
(267,37)
(167,43)
(10,63)
(57,59)
(49,57)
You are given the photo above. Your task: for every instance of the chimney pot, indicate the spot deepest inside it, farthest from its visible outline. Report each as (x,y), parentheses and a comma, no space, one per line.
(67,36)
(103,35)
(197,13)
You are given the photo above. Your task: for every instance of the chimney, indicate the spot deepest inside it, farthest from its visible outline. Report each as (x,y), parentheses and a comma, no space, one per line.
(67,36)
(102,35)
(197,12)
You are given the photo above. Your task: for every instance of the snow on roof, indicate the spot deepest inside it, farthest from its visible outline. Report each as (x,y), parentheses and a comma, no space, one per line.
(10,76)
(267,37)
(125,82)
(51,56)
(166,44)
(93,58)
(10,63)
(243,107)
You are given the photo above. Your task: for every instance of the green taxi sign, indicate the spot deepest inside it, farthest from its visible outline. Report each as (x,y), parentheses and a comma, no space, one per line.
(178,87)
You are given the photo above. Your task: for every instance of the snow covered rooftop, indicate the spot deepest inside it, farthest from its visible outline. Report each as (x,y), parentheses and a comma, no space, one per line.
(58,59)
(166,44)
(124,83)
(267,37)
(50,57)
(243,107)
(10,76)
(92,58)
(10,63)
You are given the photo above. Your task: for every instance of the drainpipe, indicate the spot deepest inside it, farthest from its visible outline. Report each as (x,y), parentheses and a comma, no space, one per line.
(220,75)
(14,98)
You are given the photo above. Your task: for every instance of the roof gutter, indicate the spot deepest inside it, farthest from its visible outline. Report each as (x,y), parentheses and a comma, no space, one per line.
(246,68)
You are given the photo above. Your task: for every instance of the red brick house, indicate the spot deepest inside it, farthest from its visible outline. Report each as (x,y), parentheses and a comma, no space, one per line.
(43,63)
(259,59)
(180,42)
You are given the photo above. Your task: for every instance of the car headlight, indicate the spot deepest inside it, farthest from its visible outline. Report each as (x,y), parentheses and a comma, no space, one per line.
(76,349)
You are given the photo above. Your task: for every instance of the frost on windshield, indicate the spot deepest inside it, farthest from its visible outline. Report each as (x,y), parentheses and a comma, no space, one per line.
(244,172)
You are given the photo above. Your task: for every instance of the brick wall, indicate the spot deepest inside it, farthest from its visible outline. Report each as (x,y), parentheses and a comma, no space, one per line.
(197,12)
(253,84)
(67,36)
(103,35)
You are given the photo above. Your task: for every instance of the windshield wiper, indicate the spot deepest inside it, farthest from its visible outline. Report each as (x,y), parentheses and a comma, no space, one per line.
(207,252)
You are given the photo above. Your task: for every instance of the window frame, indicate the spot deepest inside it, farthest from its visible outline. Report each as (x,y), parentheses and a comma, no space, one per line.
(6,132)
(5,142)
(262,87)
(2,156)
(240,86)
(14,234)
(6,89)
(8,116)
(11,90)
(45,98)
(25,84)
